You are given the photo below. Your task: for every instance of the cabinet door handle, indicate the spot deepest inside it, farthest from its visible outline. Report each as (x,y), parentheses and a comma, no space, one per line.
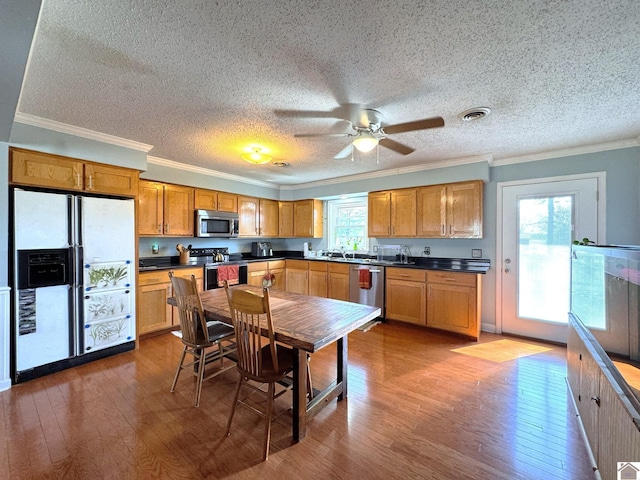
(166,228)
(78,178)
(450,229)
(442,229)
(388,230)
(90,182)
(159,228)
(597,400)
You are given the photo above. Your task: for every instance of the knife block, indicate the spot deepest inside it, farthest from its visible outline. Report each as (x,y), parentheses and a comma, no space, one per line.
(184,258)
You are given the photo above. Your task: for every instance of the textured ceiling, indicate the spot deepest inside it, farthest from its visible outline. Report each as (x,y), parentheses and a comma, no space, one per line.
(201,81)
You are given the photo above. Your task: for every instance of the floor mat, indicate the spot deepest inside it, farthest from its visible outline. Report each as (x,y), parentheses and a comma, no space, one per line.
(501,350)
(369,325)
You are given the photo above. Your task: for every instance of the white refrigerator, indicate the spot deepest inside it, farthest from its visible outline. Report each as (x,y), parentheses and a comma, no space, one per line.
(74,280)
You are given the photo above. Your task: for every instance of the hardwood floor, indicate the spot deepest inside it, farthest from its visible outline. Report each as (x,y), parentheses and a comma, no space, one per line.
(415,410)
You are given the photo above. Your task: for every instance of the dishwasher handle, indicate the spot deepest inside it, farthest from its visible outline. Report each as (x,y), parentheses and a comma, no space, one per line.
(370,270)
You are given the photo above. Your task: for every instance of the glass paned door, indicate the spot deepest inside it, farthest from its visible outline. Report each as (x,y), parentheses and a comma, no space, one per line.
(539,223)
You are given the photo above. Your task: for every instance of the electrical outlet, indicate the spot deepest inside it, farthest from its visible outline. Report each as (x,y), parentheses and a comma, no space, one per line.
(427,250)
(375,249)
(476,253)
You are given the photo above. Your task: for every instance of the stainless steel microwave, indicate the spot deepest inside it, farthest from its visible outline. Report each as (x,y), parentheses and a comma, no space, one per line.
(210,223)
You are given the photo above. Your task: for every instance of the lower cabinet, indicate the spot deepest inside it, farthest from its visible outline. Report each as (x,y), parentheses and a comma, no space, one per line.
(405,295)
(318,279)
(154,313)
(257,274)
(338,281)
(154,288)
(443,300)
(297,274)
(607,407)
(453,302)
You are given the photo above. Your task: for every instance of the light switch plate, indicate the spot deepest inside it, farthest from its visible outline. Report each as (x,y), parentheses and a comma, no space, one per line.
(476,253)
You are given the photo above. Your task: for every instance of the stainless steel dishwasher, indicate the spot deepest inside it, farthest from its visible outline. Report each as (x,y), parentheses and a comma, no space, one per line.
(373,296)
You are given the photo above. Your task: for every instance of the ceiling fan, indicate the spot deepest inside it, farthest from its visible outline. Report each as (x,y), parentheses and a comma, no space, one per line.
(369,132)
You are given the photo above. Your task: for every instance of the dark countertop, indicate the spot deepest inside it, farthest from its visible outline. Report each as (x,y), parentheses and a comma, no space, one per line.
(461,265)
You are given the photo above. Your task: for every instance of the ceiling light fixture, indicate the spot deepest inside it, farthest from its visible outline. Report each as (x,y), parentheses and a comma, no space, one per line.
(365,141)
(256,156)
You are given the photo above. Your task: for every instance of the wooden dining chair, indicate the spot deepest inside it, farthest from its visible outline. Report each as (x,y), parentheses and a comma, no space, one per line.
(198,335)
(260,358)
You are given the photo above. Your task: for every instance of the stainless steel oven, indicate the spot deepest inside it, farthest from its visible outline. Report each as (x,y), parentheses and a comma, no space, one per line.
(213,273)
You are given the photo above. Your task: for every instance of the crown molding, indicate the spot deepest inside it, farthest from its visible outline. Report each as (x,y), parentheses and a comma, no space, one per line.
(395,171)
(206,171)
(568,152)
(80,132)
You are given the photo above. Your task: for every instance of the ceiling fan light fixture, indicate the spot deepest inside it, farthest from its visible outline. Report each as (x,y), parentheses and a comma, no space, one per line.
(365,142)
(256,156)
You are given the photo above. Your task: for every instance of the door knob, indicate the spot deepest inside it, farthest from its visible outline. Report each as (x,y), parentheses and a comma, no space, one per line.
(507,270)
(507,260)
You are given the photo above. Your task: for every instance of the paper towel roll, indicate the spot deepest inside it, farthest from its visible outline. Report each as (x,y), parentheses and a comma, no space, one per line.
(305,249)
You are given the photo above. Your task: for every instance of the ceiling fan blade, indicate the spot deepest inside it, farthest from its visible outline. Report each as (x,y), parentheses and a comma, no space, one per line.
(345,152)
(416,125)
(396,146)
(309,135)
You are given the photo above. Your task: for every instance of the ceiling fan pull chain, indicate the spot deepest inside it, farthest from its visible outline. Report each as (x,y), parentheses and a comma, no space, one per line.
(352,159)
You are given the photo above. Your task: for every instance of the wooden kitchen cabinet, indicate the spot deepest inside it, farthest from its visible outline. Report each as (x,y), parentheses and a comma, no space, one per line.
(248,213)
(58,172)
(258,217)
(450,211)
(338,281)
(154,313)
(453,302)
(307,218)
(318,279)
(285,219)
(392,213)
(277,270)
(406,295)
(297,276)
(256,272)
(213,200)
(268,218)
(165,210)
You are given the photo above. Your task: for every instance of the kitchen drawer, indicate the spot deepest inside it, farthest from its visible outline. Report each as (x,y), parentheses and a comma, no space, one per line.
(410,274)
(297,264)
(338,268)
(257,266)
(318,266)
(273,264)
(468,279)
(153,278)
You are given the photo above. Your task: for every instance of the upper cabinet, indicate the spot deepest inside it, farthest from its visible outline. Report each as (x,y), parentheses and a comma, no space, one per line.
(392,213)
(268,218)
(248,213)
(450,211)
(212,200)
(165,210)
(285,219)
(307,218)
(54,171)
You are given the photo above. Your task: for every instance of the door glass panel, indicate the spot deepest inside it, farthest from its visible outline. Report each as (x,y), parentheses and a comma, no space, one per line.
(544,257)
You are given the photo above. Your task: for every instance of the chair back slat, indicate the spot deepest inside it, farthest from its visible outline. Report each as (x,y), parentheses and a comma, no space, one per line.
(251,314)
(190,310)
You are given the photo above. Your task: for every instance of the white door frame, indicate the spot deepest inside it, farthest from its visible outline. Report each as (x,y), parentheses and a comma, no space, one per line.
(601,178)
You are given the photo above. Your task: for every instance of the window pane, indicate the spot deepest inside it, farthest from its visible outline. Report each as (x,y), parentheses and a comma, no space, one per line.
(348,224)
(544,257)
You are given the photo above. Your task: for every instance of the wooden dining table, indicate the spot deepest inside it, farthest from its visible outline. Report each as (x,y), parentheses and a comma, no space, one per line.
(307,324)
